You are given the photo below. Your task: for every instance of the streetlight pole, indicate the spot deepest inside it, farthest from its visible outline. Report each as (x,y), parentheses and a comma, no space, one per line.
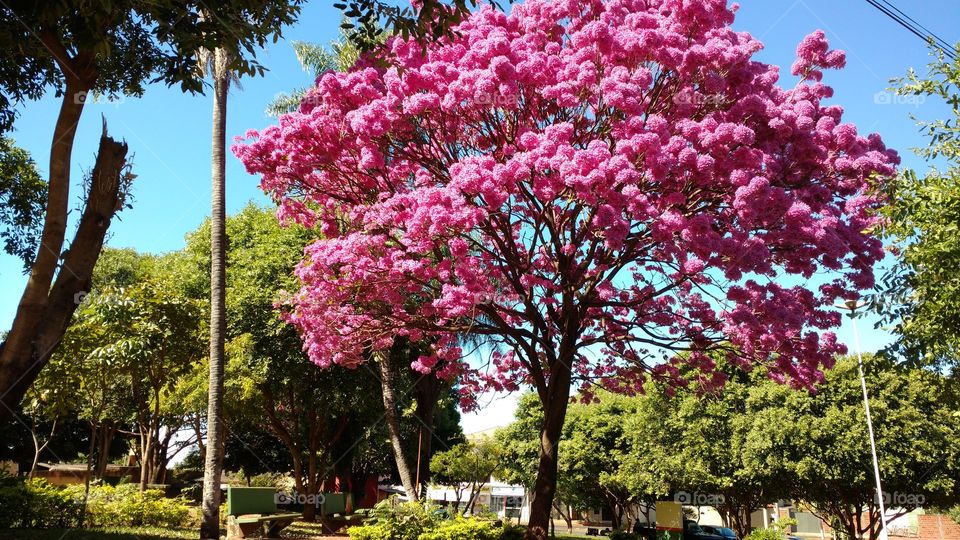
(853,305)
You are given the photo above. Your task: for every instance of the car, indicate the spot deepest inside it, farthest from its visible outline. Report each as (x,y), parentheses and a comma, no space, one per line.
(725,532)
(693,531)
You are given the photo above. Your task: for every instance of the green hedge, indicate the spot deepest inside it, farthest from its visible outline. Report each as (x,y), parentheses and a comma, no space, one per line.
(37,504)
(125,506)
(415,521)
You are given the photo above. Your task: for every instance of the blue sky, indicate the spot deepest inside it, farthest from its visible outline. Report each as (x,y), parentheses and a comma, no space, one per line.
(169,132)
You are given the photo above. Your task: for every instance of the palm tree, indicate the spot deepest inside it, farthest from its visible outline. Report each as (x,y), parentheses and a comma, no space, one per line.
(216,64)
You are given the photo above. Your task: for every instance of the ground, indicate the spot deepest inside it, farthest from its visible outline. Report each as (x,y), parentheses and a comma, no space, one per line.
(300,530)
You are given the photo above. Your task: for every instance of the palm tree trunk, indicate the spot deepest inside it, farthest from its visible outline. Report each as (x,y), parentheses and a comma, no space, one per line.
(210,524)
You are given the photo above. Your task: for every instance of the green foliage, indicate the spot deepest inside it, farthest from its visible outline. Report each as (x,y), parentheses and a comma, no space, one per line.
(23,195)
(125,505)
(954,514)
(776,531)
(758,441)
(116,47)
(394,520)
(467,462)
(920,294)
(315,59)
(593,450)
(763,533)
(36,504)
(368,20)
(463,529)
(519,442)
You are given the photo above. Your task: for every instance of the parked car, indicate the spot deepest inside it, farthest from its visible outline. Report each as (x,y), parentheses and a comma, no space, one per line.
(693,531)
(725,532)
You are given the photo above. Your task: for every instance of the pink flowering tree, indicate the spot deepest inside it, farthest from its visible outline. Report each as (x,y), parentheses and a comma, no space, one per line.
(600,190)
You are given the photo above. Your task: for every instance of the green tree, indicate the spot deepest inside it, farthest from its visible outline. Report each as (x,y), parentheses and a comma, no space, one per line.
(466,465)
(920,294)
(272,385)
(726,449)
(100,48)
(150,337)
(916,425)
(593,449)
(22,192)
(520,446)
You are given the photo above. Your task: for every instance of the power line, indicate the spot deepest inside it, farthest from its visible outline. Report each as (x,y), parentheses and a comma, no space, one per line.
(914,27)
(941,41)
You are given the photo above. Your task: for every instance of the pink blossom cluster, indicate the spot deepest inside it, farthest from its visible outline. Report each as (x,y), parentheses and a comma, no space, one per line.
(556,181)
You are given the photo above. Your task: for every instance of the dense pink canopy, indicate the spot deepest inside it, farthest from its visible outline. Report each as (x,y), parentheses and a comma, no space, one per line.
(615,181)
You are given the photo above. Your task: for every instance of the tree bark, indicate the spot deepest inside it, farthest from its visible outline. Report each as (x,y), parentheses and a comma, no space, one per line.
(388,380)
(44,310)
(213,463)
(555,398)
(426,391)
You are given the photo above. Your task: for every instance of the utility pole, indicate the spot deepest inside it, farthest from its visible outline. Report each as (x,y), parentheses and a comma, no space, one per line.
(852,306)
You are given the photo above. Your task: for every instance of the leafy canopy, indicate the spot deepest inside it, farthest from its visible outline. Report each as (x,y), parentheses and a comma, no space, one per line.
(920,295)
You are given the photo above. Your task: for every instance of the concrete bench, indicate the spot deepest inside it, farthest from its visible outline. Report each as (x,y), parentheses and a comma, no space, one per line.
(252,513)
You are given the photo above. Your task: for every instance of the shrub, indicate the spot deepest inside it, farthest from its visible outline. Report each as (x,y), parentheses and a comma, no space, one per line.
(463,529)
(777,530)
(395,520)
(124,505)
(762,533)
(416,521)
(378,531)
(624,535)
(512,532)
(954,513)
(36,504)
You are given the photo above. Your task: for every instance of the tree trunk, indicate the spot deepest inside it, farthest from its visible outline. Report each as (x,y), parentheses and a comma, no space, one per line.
(44,310)
(555,398)
(105,433)
(213,463)
(426,391)
(393,422)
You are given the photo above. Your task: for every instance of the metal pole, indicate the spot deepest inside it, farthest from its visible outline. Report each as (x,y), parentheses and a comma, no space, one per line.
(852,305)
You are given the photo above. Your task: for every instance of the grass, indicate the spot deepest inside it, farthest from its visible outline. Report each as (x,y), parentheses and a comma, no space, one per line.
(299,529)
(107,533)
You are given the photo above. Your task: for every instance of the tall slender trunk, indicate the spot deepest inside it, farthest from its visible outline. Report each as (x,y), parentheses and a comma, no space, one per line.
(388,380)
(210,525)
(555,398)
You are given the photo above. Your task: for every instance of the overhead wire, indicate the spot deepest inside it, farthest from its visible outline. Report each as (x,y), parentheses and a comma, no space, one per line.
(914,27)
